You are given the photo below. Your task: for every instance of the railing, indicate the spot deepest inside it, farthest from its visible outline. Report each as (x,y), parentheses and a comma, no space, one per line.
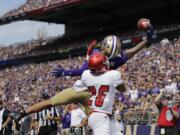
(139,117)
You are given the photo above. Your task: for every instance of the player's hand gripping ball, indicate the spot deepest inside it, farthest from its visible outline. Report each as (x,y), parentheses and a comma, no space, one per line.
(143,24)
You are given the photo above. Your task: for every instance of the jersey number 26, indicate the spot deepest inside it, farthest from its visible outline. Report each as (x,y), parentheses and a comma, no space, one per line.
(100,95)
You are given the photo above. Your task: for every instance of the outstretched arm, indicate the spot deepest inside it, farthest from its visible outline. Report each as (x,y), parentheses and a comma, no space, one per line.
(146,42)
(76,72)
(60,71)
(131,52)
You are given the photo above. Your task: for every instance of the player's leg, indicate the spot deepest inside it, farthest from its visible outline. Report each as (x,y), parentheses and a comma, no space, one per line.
(70,96)
(100,123)
(66,96)
(116,128)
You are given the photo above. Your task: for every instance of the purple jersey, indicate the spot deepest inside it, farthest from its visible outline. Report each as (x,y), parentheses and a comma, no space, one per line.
(114,64)
(118,61)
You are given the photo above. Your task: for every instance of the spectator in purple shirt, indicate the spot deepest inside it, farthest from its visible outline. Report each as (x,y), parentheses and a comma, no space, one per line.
(66,121)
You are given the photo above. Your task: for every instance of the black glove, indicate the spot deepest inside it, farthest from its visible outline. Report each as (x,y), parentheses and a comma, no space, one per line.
(149,34)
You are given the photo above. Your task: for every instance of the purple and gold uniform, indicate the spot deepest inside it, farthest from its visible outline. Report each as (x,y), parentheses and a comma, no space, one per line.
(115,63)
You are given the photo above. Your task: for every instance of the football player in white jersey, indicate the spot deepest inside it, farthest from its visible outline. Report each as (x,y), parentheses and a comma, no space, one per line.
(103,84)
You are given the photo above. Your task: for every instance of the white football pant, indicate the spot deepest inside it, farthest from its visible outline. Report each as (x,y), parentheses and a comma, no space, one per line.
(101,124)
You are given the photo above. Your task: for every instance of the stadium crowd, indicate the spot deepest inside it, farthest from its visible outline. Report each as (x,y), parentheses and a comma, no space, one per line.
(31,5)
(151,69)
(24,49)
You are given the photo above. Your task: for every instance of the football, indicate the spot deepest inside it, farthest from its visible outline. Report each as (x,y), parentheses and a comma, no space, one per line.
(143,24)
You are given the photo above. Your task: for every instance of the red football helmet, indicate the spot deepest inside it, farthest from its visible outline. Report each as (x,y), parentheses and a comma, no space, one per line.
(98,61)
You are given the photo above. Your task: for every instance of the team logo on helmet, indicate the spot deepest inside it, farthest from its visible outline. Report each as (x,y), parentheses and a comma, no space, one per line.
(111,46)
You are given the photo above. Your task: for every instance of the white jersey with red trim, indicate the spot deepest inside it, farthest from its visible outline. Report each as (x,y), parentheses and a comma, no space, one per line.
(102,87)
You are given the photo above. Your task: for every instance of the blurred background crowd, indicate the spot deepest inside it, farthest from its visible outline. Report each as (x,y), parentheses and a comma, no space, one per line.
(32,5)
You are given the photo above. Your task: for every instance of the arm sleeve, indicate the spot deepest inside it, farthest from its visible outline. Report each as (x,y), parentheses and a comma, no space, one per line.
(117,79)
(124,57)
(77,72)
(119,60)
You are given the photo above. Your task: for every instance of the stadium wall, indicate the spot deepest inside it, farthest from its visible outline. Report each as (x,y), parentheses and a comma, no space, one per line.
(75,30)
(89,27)
(141,130)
